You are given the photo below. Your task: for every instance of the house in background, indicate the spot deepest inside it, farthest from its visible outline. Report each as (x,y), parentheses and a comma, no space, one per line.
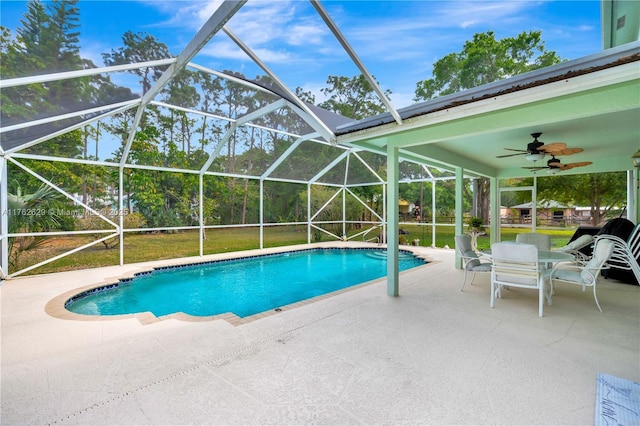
(550,213)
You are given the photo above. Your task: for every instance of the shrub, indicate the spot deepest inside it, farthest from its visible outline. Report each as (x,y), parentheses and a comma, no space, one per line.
(91,221)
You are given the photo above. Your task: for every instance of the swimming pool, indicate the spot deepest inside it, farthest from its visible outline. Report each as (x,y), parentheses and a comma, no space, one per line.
(243,286)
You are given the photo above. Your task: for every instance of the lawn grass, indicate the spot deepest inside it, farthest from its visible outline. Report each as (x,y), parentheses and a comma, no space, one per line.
(445,235)
(159,246)
(156,246)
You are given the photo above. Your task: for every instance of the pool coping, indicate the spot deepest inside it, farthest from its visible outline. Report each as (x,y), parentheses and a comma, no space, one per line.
(56,307)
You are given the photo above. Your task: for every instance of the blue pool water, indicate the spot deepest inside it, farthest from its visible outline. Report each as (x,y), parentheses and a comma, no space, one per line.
(244,286)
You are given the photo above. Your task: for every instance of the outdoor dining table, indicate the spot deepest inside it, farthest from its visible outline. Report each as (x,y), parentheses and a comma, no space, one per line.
(546,259)
(545,256)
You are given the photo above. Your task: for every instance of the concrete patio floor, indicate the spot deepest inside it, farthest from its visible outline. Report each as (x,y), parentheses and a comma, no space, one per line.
(434,355)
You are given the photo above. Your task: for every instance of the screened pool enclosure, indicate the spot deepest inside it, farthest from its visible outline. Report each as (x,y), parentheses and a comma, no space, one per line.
(230,152)
(186,143)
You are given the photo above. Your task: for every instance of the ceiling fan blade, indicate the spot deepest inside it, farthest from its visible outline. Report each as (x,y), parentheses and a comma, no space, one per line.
(511,155)
(553,147)
(568,151)
(523,151)
(572,165)
(536,168)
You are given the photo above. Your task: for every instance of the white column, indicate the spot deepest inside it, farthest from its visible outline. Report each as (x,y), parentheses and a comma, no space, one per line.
(433,212)
(393,175)
(121,212)
(4,220)
(459,227)
(633,193)
(201,212)
(344,213)
(385,214)
(494,206)
(308,213)
(261,213)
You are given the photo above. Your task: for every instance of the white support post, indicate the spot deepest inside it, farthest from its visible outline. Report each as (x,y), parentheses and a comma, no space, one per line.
(344,198)
(383,235)
(261,213)
(459,227)
(633,192)
(433,213)
(308,213)
(344,213)
(534,205)
(4,220)
(393,276)
(201,212)
(494,205)
(121,211)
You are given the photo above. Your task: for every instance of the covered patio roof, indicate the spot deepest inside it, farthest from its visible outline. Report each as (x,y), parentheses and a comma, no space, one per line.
(590,103)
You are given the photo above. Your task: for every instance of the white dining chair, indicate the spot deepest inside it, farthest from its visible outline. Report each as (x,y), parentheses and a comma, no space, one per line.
(585,275)
(516,265)
(541,241)
(470,259)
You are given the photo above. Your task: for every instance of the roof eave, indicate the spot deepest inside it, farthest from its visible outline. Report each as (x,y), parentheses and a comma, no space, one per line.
(608,58)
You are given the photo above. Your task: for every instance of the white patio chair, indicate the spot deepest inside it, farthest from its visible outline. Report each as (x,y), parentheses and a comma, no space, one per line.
(625,253)
(516,265)
(574,248)
(584,275)
(470,259)
(541,241)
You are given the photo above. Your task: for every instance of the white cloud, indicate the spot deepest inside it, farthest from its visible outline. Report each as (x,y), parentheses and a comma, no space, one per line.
(226,49)
(402,99)
(425,29)
(586,28)
(273,30)
(398,41)
(300,35)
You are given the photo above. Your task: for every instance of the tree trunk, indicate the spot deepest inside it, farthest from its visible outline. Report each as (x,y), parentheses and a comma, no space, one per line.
(482,200)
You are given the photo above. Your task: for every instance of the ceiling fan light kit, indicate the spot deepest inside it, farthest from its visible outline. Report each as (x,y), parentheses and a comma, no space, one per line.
(534,157)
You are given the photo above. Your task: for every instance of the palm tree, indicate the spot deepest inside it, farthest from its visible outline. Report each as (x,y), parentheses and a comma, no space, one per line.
(30,213)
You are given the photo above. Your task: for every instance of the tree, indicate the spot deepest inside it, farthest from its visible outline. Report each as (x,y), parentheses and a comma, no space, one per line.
(352,97)
(211,91)
(484,60)
(140,47)
(47,41)
(30,212)
(602,192)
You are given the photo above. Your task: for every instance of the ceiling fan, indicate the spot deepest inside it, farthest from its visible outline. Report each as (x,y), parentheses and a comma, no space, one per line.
(554,165)
(536,150)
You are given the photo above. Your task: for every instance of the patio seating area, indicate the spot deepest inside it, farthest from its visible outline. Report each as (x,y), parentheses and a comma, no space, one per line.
(434,355)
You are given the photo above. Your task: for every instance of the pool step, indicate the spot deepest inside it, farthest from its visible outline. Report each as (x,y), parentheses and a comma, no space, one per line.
(383,255)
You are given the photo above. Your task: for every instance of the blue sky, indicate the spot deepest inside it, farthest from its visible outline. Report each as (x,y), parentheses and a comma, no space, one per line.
(397,40)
